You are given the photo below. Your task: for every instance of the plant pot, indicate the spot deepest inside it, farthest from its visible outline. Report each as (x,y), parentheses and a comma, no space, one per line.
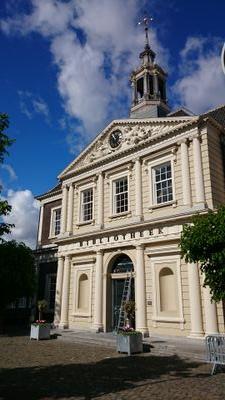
(129,343)
(38,331)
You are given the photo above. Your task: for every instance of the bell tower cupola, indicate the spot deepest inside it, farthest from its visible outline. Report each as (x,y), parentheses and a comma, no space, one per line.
(148,83)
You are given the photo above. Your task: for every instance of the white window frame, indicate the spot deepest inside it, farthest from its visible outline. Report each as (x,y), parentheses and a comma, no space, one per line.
(113,179)
(78,271)
(152,166)
(174,263)
(81,189)
(52,222)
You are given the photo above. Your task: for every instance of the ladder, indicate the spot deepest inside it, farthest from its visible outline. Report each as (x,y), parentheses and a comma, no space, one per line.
(125,297)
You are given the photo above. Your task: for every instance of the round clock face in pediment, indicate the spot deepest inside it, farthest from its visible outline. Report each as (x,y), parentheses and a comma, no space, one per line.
(115,138)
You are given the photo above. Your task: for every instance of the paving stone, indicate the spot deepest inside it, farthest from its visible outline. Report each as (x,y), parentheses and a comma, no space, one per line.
(63,369)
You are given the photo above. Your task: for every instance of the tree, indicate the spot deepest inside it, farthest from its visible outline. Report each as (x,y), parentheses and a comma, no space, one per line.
(17,272)
(204,242)
(5,142)
(17,267)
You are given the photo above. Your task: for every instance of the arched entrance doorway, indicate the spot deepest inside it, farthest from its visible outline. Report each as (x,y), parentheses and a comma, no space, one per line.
(121,268)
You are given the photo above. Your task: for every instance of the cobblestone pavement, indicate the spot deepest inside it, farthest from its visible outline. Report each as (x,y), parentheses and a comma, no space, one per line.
(54,369)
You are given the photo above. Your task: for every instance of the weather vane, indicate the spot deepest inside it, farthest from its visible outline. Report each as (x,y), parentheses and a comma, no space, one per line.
(146,21)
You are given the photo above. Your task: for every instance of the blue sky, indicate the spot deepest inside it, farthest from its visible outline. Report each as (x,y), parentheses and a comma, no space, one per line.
(64,75)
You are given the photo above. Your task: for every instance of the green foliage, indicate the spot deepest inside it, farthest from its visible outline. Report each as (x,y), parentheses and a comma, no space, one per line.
(204,242)
(129,332)
(129,308)
(17,272)
(42,305)
(5,142)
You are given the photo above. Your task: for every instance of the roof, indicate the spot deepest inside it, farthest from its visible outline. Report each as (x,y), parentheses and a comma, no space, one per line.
(181,112)
(218,114)
(52,192)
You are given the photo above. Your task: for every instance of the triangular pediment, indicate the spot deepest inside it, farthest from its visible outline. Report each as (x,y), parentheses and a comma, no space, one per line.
(133,133)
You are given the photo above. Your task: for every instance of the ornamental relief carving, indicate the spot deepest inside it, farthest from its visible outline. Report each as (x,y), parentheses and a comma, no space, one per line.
(132,135)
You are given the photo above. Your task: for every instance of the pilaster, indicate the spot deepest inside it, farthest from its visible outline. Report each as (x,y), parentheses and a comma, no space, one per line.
(98,325)
(65,294)
(40,224)
(211,323)
(69,228)
(195,301)
(198,170)
(185,170)
(100,219)
(64,209)
(140,292)
(58,291)
(138,189)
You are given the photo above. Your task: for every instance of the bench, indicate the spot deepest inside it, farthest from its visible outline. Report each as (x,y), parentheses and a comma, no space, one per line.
(215,350)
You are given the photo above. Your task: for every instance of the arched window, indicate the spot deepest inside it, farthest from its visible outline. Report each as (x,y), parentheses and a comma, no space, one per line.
(168,293)
(122,264)
(83,293)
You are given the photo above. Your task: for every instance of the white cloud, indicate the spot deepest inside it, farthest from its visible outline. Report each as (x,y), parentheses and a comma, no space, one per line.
(31,104)
(95,45)
(202,83)
(10,171)
(24,215)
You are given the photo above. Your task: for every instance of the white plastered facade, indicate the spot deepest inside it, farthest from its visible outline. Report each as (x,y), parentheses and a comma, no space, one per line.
(169,295)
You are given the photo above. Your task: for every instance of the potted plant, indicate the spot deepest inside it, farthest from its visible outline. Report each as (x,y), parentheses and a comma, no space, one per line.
(40,329)
(129,308)
(129,341)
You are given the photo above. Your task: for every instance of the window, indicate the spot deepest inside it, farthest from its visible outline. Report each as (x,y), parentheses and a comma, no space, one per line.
(151,85)
(56,221)
(87,205)
(50,291)
(120,195)
(162,183)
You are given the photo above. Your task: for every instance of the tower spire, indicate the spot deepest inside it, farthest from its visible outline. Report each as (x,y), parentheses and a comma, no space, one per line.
(148,83)
(146,21)
(147,56)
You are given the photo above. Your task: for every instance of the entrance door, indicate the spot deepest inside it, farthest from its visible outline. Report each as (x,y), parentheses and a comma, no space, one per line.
(117,293)
(120,270)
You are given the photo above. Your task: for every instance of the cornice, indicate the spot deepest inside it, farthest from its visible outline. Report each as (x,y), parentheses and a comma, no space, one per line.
(183,123)
(179,218)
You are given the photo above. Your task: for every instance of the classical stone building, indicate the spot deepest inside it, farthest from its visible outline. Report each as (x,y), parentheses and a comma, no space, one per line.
(119,209)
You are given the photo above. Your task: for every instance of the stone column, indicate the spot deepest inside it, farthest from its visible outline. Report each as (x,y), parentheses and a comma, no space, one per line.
(40,223)
(140,291)
(211,323)
(70,209)
(64,209)
(145,85)
(65,294)
(100,200)
(98,326)
(133,85)
(199,182)
(155,84)
(138,189)
(186,181)
(195,300)
(58,291)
